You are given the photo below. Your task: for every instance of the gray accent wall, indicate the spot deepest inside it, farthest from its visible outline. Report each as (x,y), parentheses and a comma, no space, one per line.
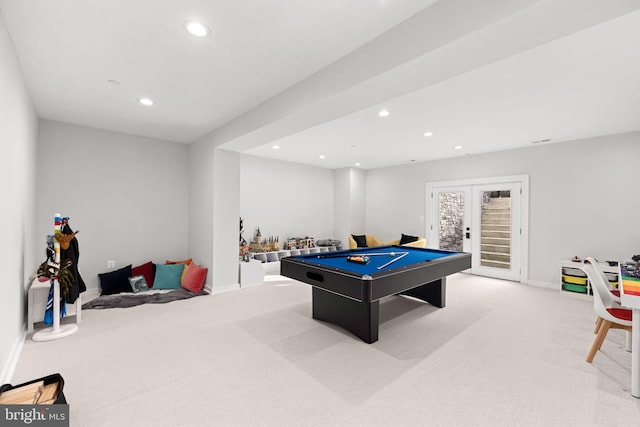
(583,198)
(18,137)
(127,195)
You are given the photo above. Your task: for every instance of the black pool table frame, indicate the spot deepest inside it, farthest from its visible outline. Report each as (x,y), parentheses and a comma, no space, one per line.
(353,301)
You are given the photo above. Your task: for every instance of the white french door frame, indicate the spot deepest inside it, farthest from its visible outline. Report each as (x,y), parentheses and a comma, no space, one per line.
(432,226)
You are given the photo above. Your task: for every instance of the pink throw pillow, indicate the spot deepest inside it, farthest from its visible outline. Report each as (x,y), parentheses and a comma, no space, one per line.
(194,278)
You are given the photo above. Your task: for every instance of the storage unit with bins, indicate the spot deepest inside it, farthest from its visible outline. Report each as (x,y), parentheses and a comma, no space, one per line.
(575,280)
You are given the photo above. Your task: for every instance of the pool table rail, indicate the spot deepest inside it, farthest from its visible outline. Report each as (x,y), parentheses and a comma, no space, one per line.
(327,279)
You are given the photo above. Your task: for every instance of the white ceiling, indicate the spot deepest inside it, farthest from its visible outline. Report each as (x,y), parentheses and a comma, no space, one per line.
(311,76)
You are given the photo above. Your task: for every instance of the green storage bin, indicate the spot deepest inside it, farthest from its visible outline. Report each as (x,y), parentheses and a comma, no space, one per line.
(571,287)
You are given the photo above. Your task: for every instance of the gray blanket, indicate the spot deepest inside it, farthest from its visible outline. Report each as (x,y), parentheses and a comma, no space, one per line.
(124,301)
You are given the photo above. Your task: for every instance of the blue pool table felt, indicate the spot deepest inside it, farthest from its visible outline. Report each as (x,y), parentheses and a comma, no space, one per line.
(338,260)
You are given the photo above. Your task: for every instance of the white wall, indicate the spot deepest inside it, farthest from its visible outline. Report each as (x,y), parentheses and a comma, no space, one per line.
(18,136)
(201,163)
(214,209)
(285,199)
(226,211)
(128,195)
(349,203)
(582,198)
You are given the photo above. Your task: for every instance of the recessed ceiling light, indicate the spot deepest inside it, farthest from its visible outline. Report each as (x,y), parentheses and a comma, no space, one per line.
(145,101)
(458,147)
(322,156)
(383,113)
(357,164)
(276,147)
(197,29)
(428,134)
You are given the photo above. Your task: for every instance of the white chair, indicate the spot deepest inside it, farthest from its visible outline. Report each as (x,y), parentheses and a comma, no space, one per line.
(615,291)
(612,314)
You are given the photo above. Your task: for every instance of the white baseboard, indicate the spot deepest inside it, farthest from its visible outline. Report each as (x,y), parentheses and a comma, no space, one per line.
(218,289)
(7,373)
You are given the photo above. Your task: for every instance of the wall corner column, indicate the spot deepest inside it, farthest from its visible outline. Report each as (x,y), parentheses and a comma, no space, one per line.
(349,185)
(214,210)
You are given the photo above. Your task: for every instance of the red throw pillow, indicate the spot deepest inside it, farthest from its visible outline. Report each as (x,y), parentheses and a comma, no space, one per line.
(145,270)
(193,280)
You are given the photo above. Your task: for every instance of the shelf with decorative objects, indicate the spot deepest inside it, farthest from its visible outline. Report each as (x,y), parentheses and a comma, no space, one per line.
(575,280)
(267,252)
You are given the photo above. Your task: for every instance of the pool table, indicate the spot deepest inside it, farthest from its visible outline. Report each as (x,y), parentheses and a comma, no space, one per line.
(348,293)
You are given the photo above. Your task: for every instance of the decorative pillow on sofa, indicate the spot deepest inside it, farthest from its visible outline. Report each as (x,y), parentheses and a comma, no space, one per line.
(147,270)
(361,240)
(408,239)
(194,278)
(116,281)
(168,276)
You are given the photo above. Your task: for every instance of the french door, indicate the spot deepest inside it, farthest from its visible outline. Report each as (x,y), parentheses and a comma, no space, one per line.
(483,217)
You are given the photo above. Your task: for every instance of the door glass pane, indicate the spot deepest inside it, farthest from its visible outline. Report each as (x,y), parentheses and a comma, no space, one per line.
(451,221)
(495,229)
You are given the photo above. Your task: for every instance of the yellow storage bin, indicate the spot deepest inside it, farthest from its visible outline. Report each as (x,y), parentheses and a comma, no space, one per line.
(575,280)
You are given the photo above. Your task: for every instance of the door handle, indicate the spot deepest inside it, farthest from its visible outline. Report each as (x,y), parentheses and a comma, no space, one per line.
(467,235)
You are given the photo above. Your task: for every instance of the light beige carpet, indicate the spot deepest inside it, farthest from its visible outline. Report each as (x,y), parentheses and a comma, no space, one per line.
(499,354)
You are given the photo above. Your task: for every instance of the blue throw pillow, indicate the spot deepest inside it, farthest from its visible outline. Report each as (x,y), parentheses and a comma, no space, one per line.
(168,276)
(116,281)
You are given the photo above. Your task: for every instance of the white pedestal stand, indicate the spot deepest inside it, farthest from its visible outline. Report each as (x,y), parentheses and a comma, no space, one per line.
(56,331)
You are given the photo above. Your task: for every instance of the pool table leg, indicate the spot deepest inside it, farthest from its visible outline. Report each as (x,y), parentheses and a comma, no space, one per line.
(434,293)
(359,318)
